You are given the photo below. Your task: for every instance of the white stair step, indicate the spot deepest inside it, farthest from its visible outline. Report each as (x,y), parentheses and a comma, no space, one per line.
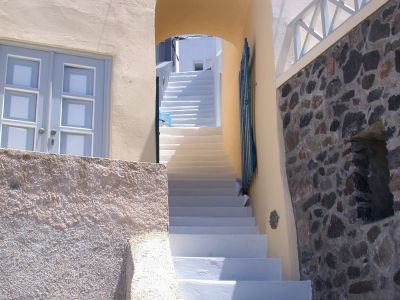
(190,139)
(200,169)
(191,79)
(185,120)
(199,191)
(190,125)
(177,163)
(213,230)
(195,152)
(219,245)
(192,146)
(186,102)
(192,84)
(246,269)
(183,158)
(210,212)
(210,131)
(245,290)
(198,201)
(196,115)
(204,146)
(211,221)
(174,110)
(204,72)
(199,177)
(188,92)
(202,184)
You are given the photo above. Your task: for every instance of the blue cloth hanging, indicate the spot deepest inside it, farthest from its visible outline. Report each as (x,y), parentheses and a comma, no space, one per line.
(249,157)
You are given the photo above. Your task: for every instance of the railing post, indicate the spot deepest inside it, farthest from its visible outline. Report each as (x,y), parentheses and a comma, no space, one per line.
(296,41)
(325,17)
(284,53)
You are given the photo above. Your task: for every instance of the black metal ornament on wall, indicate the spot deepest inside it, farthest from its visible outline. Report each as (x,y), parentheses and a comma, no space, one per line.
(274,219)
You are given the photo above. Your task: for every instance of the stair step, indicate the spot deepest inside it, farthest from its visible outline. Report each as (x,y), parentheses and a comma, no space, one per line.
(186,102)
(192,84)
(190,146)
(219,245)
(211,221)
(196,115)
(213,230)
(200,169)
(198,201)
(199,177)
(202,184)
(195,152)
(245,290)
(210,211)
(246,269)
(201,192)
(185,120)
(209,131)
(190,125)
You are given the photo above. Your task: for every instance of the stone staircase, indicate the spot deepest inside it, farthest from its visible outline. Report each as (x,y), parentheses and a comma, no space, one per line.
(218,251)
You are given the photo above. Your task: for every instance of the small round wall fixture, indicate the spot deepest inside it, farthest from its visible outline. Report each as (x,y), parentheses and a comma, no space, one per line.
(274,219)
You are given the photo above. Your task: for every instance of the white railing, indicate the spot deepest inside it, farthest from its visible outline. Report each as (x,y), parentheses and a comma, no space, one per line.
(317,21)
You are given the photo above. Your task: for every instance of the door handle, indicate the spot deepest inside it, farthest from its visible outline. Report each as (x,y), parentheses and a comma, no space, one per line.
(53,132)
(42,130)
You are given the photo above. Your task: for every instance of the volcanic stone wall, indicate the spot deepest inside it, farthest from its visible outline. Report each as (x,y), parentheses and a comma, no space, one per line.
(354,85)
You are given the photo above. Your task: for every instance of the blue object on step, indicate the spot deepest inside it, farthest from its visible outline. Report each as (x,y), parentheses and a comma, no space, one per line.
(165,117)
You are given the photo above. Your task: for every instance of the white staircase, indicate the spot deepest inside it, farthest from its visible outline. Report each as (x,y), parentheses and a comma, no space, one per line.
(189,99)
(218,251)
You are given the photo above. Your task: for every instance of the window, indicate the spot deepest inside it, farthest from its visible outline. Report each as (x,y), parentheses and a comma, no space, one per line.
(53,101)
(198,66)
(371,176)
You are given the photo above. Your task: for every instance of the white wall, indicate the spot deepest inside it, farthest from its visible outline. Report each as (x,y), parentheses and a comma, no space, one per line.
(197,49)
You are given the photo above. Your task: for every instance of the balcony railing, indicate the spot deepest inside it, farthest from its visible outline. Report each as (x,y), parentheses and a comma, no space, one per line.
(316,22)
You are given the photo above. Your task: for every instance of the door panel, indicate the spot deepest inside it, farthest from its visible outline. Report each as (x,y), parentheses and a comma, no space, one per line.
(77,106)
(24,92)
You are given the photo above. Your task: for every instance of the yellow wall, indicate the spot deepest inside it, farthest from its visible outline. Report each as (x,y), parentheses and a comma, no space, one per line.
(233,20)
(226,19)
(223,18)
(122,29)
(230,116)
(269,190)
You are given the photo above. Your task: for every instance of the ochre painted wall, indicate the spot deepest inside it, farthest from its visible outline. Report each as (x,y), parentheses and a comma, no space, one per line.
(121,29)
(231,57)
(269,190)
(233,20)
(226,19)
(222,18)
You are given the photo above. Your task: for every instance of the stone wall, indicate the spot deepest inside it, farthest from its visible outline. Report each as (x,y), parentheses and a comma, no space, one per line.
(350,87)
(83,228)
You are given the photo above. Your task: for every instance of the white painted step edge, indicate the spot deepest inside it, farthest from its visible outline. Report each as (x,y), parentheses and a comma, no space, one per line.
(245,290)
(213,230)
(211,221)
(219,245)
(220,268)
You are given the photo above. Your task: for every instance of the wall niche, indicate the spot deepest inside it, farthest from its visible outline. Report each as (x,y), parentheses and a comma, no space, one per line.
(371,177)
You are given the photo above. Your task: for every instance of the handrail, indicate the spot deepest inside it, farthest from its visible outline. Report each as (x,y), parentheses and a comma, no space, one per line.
(313,25)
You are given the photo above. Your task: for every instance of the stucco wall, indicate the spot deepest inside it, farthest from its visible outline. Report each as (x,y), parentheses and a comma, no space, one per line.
(122,29)
(80,228)
(269,190)
(233,21)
